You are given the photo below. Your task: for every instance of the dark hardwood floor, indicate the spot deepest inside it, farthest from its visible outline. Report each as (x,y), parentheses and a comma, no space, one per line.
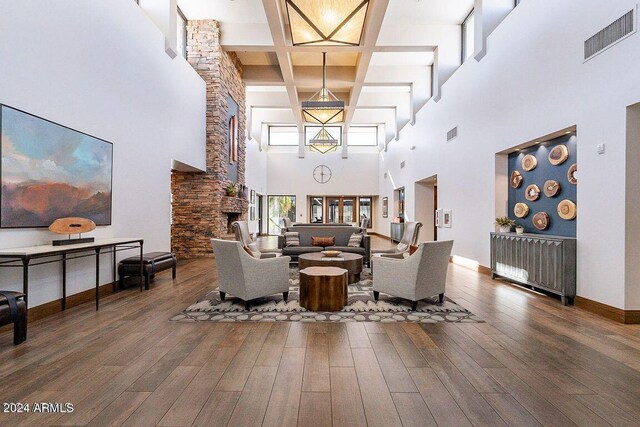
(534,362)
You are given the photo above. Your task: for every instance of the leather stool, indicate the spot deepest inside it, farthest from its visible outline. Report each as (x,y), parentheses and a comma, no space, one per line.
(13,309)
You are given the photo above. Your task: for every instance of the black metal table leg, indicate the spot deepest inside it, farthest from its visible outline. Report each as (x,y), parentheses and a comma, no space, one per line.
(97,278)
(64,282)
(25,290)
(141,266)
(115,289)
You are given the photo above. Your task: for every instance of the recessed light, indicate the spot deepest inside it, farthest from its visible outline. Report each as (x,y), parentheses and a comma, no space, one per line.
(567,132)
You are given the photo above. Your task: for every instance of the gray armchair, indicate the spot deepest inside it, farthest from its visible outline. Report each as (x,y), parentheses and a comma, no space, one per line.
(409,238)
(242,234)
(421,275)
(247,277)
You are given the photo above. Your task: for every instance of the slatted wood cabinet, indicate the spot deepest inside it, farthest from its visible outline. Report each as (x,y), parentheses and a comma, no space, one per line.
(543,262)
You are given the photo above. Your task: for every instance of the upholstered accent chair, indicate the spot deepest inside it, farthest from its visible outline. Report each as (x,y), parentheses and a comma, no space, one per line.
(364,224)
(286,222)
(409,238)
(421,275)
(242,234)
(247,277)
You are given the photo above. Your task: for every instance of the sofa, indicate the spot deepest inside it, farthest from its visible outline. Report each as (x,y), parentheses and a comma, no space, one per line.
(341,233)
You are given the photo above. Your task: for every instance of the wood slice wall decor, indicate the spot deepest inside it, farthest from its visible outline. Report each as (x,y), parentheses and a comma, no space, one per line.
(572,174)
(516,179)
(532,193)
(551,188)
(541,221)
(72,225)
(558,155)
(567,210)
(529,162)
(521,210)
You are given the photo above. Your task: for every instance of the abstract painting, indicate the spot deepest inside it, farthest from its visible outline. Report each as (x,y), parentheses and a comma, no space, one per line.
(49,171)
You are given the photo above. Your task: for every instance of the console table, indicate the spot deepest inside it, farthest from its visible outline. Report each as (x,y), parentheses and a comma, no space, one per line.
(545,262)
(37,255)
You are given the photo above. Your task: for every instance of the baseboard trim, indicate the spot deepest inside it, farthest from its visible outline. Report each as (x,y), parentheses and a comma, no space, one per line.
(53,307)
(613,313)
(479,269)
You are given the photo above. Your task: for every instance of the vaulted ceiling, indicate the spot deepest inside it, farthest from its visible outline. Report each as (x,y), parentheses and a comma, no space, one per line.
(408,49)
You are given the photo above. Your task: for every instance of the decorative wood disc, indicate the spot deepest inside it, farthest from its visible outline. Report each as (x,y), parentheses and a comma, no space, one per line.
(529,162)
(541,220)
(516,179)
(532,193)
(567,210)
(521,210)
(558,155)
(72,225)
(551,188)
(572,174)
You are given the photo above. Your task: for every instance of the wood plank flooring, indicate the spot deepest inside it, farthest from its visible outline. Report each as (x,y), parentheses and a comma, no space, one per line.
(534,362)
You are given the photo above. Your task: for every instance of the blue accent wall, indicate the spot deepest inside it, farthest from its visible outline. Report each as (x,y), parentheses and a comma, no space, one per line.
(543,172)
(232,110)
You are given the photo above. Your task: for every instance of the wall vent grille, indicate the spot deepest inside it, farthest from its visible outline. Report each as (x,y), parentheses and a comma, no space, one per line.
(402,164)
(614,32)
(452,134)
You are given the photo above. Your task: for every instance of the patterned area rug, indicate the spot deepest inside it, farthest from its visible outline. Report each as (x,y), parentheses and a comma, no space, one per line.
(361,308)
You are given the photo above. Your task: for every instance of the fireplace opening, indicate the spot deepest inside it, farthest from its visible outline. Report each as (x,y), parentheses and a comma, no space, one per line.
(231,217)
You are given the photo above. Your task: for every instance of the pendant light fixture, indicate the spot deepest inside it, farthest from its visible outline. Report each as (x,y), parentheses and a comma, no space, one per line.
(323,107)
(323,142)
(326,22)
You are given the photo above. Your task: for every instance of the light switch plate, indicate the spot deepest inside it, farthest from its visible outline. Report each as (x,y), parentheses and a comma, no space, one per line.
(600,148)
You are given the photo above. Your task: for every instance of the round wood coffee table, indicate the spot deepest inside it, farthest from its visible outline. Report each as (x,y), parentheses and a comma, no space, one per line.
(323,288)
(350,262)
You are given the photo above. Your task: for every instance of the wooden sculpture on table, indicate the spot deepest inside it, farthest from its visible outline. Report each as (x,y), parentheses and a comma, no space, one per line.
(72,225)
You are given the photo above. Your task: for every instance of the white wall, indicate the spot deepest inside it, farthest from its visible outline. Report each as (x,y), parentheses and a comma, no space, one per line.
(289,175)
(255,174)
(100,67)
(532,82)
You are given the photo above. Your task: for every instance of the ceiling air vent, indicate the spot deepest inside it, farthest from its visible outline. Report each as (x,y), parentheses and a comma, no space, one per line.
(402,164)
(613,33)
(452,134)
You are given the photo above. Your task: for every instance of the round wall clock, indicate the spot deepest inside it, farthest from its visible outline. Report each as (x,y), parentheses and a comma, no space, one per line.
(516,179)
(322,174)
(521,210)
(529,162)
(558,155)
(567,210)
(541,220)
(532,193)
(572,174)
(551,188)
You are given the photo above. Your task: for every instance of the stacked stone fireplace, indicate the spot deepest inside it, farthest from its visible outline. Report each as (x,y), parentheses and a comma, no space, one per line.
(201,208)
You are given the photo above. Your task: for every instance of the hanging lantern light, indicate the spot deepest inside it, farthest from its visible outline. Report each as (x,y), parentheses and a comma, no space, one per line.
(323,142)
(323,107)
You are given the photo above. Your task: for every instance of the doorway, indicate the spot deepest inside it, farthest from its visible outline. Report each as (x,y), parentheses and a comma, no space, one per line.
(341,210)
(280,207)
(260,214)
(426,196)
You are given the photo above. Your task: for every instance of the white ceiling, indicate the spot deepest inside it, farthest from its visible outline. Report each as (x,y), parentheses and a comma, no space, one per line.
(392,72)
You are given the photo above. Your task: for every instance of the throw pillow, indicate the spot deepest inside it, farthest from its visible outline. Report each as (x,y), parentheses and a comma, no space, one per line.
(323,241)
(412,249)
(291,238)
(355,240)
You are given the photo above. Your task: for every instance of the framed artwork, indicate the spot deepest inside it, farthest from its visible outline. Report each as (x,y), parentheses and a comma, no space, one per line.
(253,197)
(385,207)
(438,218)
(233,139)
(446,218)
(252,213)
(49,171)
